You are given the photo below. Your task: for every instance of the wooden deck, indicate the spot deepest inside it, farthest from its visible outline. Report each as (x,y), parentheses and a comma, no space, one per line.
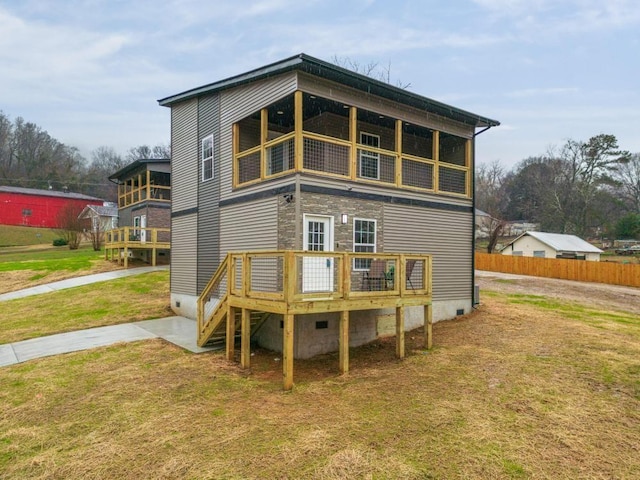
(121,241)
(291,283)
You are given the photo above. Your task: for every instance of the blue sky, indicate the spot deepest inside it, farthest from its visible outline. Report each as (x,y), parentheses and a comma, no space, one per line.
(90,71)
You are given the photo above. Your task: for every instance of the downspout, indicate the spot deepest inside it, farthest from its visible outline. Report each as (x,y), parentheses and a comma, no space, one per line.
(474,301)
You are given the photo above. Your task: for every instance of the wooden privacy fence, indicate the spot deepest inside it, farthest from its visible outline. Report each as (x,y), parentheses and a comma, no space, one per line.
(580,270)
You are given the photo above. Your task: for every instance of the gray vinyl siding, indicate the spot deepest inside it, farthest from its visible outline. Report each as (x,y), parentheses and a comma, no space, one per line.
(208,193)
(238,103)
(184,184)
(446,235)
(249,226)
(184,262)
(375,189)
(184,155)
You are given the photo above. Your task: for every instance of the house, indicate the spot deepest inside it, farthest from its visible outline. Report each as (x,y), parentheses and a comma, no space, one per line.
(102,217)
(310,198)
(552,245)
(144,212)
(33,207)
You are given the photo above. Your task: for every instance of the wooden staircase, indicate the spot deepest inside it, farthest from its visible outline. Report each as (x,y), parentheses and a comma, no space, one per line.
(218,335)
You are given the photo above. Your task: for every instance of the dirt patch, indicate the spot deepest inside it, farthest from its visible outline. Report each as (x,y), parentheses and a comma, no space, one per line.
(599,295)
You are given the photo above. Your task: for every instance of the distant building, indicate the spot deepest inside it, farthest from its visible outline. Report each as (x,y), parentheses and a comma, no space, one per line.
(552,245)
(38,208)
(103,217)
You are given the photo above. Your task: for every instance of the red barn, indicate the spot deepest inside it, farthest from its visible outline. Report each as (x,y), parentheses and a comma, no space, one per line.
(38,208)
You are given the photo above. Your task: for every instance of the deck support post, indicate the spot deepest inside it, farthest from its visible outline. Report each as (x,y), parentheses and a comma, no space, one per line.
(428,326)
(126,257)
(245,339)
(153,257)
(344,341)
(231,332)
(287,351)
(400,332)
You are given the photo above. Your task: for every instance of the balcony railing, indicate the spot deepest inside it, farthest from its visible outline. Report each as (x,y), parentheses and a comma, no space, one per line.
(335,157)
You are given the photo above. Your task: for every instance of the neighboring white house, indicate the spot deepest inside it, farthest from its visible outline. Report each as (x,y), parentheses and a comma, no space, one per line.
(103,217)
(552,245)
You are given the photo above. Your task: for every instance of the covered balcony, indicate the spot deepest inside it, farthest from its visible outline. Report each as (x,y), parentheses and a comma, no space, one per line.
(306,133)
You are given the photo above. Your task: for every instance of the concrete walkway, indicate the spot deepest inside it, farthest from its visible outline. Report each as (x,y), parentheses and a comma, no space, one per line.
(78,281)
(180,331)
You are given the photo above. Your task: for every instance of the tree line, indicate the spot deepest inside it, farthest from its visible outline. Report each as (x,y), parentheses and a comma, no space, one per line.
(587,188)
(30,157)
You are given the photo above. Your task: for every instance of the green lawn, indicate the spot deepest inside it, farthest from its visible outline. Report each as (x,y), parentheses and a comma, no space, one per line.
(60,258)
(12,235)
(139,297)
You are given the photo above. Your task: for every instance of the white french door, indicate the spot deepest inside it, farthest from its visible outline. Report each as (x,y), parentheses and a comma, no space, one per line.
(317,272)
(143,226)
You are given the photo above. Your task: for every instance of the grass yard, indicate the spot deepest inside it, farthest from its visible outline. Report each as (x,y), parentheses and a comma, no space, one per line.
(128,299)
(522,388)
(29,267)
(12,235)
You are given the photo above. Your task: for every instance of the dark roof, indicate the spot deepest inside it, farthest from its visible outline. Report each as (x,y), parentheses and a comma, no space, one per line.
(329,71)
(48,193)
(133,166)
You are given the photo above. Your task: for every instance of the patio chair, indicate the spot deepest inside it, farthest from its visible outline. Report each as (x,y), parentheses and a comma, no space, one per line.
(376,277)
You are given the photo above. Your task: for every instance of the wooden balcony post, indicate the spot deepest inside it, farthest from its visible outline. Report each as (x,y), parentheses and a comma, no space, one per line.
(245,339)
(298,146)
(400,332)
(353,138)
(231,332)
(344,341)
(287,351)
(428,326)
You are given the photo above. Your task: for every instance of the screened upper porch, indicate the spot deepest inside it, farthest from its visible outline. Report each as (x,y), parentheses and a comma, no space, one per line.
(306,133)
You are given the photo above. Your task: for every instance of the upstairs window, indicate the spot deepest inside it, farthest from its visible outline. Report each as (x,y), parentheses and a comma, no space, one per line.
(207,158)
(364,240)
(369,161)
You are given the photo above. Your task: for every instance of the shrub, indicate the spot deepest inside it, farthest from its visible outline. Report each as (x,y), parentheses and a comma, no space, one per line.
(59,242)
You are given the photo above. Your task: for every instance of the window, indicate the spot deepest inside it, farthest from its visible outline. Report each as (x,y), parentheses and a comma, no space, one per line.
(364,240)
(207,158)
(26,212)
(539,253)
(369,161)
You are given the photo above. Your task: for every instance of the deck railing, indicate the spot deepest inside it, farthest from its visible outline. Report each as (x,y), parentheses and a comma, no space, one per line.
(308,282)
(125,239)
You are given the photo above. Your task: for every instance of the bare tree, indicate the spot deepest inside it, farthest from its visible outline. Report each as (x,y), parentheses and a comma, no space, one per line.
(145,151)
(491,197)
(371,69)
(627,177)
(69,226)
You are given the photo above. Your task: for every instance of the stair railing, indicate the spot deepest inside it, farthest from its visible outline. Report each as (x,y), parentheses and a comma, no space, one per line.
(217,288)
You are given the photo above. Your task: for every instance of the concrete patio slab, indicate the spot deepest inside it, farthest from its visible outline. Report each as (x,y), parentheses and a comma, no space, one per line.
(180,331)
(79,281)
